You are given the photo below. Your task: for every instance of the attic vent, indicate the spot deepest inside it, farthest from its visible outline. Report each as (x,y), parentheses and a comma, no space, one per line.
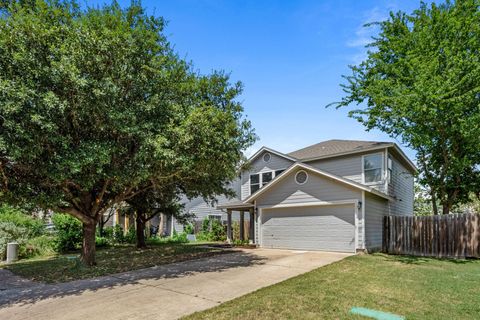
(266,157)
(301,177)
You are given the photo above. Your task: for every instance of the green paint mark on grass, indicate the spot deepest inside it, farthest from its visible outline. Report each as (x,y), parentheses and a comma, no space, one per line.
(379,315)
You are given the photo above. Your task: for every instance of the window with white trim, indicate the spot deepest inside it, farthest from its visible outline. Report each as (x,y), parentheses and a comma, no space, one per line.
(372,168)
(267,177)
(266,157)
(389,169)
(301,177)
(254,183)
(259,180)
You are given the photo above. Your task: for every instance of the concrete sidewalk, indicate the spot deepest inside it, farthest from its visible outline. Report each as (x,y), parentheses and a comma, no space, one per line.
(163,292)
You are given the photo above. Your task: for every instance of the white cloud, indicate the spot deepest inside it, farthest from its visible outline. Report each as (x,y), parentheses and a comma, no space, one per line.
(363,35)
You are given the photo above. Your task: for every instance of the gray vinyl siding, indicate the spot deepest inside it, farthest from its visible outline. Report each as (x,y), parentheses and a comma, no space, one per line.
(177,226)
(317,188)
(401,188)
(375,209)
(258,166)
(349,167)
(329,228)
(202,209)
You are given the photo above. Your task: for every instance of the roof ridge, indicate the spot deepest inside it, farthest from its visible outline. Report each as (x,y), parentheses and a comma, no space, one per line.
(336,146)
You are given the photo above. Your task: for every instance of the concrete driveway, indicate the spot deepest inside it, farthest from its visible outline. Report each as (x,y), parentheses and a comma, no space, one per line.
(163,292)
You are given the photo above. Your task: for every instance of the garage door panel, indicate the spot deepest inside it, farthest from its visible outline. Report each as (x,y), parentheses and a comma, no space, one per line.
(329,228)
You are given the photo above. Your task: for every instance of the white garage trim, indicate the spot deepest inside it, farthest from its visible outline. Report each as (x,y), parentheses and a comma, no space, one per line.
(354,202)
(364,222)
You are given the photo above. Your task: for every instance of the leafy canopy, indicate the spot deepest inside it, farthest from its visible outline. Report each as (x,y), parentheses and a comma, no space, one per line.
(98,97)
(420,83)
(96,107)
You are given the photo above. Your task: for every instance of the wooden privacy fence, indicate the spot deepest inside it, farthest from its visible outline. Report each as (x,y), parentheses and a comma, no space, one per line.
(452,236)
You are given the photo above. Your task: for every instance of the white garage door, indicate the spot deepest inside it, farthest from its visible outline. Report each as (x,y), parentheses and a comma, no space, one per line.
(328,228)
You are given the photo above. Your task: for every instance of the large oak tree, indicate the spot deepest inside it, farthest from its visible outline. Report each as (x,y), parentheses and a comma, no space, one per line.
(421,83)
(96,108)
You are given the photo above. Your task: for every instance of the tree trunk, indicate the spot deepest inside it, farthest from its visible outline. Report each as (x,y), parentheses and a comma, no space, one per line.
(101,227)
(446,208)
(434,203)
(140,232)
(88,246)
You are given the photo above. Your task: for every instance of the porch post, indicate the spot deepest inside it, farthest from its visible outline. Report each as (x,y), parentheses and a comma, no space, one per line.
(229,226)
(251,236)
(242,224)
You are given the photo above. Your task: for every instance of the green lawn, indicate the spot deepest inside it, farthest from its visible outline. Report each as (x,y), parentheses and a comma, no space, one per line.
(417,288)
(116,259)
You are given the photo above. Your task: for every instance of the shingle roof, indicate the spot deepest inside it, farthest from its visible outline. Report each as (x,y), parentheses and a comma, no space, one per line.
(331,147)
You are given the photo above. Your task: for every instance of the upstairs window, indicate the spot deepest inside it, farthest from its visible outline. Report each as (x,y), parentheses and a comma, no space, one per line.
(254,183)
(267,177)
(389,169)
(259,180)
(372,168)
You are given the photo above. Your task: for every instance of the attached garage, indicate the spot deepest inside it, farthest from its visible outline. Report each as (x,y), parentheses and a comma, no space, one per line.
(324,227)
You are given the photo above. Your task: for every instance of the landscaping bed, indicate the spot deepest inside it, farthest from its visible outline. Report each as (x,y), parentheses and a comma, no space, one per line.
(413,287)
(116,259)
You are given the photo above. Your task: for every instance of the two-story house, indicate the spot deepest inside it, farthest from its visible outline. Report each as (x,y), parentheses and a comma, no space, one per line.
(329,196)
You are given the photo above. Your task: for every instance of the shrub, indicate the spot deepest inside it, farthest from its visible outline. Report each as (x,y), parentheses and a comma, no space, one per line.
(179,237)
(131,236)
(202,236)
(107,232)
(101,242)
(188,228)
(212,230)
(218,231)
(206,225)
(35,226)
(118,235)
(17,226)
(176,238)
(39,246)
(69,232)
(239,242)
(10,232)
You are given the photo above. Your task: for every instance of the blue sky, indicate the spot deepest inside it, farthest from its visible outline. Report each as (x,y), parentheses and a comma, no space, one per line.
(290,56)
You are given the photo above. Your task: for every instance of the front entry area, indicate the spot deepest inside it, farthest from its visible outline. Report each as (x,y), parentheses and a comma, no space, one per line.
(324,228)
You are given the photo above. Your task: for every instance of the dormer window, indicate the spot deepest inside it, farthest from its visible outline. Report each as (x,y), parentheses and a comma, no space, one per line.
(372,168)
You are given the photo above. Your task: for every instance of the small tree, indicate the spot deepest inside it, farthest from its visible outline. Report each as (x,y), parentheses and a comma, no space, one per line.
(96,108)
(148,204)
(104,219)
(420,84)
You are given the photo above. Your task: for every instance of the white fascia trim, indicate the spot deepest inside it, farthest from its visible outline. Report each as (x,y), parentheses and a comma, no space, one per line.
(309,204)
(404,156)
(320,172)
(364,242)
(256,154)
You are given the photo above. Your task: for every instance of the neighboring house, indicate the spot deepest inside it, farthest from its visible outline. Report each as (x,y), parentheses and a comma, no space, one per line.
(328,196)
